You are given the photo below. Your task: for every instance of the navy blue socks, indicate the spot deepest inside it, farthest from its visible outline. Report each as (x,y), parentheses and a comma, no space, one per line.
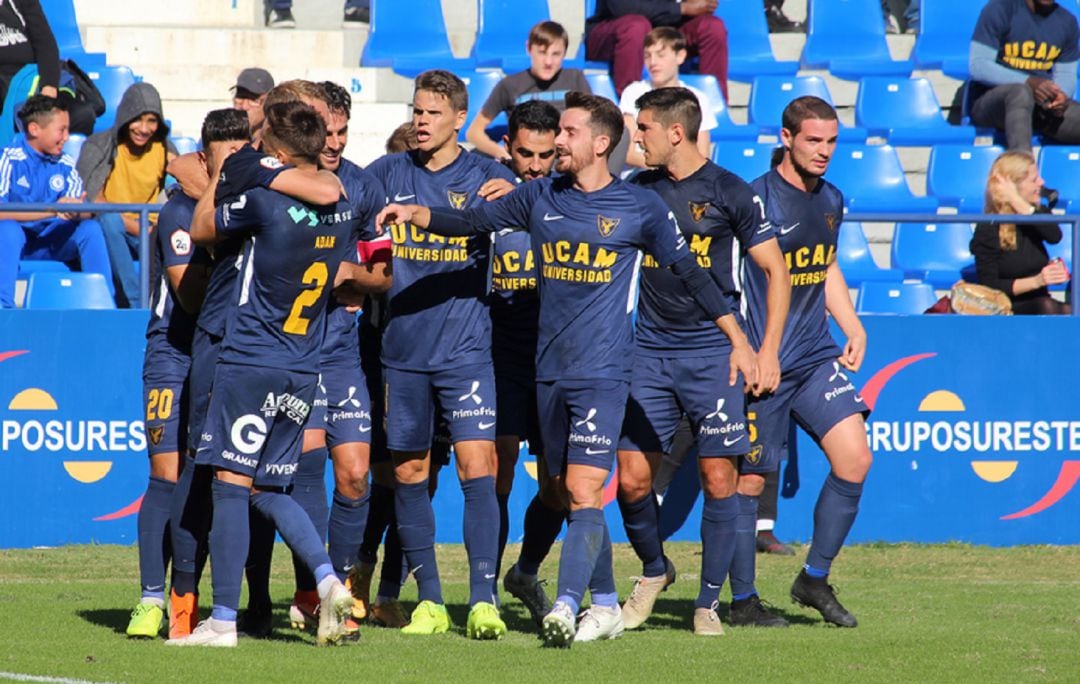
(229,536)
(542,527)
(348,517)
(717,547)
(416,529)
(481,534)
(581,549)
(835,512)
(154,545)
(642,522)
(744,564)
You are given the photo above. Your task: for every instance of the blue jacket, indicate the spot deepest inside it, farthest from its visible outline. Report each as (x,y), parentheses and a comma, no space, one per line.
(27,175)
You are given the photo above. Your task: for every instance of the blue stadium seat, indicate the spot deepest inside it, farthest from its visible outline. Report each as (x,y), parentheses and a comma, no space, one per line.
(726,129)
(19,89)
(894,298)
(600,83)
(855,260)
(749,50)
(74,145)
(747,161)
(54,290)
(905,112)
(847,37)
(945,28)
(185,144)
(113,82)
(65,28)
(410,37)
(503,27)
(935,253)
(30,266)
(871,178)
(769,95)
(480,84)
(957,175)
(1060,168)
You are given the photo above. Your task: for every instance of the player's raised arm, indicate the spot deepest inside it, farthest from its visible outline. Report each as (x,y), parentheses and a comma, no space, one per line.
(509,211)
(203,230)
(838,303)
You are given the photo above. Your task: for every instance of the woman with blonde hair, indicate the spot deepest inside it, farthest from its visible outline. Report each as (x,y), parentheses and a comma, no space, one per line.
(1011,257)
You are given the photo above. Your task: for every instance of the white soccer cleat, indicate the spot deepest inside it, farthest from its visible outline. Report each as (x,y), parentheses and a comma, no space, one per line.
(558,626)
(598,623)
(333,609)
(209,632)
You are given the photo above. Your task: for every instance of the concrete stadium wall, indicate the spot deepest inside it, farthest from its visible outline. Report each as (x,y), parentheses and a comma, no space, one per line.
(975,431)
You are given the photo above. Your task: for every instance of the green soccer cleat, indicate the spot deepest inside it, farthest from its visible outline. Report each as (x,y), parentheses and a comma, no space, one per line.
(484,622)
(145,621)
(429,618)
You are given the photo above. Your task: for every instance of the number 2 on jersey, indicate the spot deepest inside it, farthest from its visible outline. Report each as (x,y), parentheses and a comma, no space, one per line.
(316,275)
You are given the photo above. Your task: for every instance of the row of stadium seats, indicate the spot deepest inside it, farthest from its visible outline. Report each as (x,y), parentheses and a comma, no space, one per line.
(183,144)
(873,180)
(845,37)
(903,111)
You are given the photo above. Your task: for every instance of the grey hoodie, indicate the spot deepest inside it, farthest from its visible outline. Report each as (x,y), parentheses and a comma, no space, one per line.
(99,151)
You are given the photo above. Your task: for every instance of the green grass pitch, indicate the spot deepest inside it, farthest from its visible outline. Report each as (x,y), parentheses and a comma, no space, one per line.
(946,613)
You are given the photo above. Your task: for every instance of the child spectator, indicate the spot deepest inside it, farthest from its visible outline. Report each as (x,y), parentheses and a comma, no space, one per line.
(126,164)
(33,168)
(545,79)
(665,50)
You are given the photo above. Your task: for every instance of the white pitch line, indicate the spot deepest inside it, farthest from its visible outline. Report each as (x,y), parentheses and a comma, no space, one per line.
(19,677)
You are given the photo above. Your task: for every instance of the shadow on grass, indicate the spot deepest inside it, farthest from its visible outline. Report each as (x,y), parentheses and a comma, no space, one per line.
(679,614)
(115,619)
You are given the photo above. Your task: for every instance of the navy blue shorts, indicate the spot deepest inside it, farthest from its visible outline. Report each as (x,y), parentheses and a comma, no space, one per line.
(465,397)
(204,356)
(348,407)
(662,390)
(580,421)
(817,397)
(515,396)
(370,351)
(165,395)
(255,423)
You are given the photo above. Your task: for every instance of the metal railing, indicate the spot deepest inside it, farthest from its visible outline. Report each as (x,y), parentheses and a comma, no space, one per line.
(1071,219)
(143,210)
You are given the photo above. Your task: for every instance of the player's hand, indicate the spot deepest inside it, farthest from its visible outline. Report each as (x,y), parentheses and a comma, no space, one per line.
(854,351)
(494,188)
(70,215)
(743,360)
(768,364)
(393,215)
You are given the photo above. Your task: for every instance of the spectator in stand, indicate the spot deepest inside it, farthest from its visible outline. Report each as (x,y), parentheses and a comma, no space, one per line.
(126,164)
(27,40)
(1024,55)
(616,33)
(278,13)
(778,21)
(1012,257)
(901,16)
(665,51)
(249,94)
(545,79)
(34,169)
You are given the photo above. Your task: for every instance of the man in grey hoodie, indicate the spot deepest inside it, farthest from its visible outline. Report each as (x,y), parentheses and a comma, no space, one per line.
(126,164)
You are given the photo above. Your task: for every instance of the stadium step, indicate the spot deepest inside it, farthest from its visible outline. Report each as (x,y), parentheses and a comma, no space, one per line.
(209,13)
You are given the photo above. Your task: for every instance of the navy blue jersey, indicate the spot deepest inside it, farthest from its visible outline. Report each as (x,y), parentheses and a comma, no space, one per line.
(1025,40)
(245,169)
(171,246)
(806,224)
(367,198)
(437,311)
(590,247)
(721,218)
(287,270)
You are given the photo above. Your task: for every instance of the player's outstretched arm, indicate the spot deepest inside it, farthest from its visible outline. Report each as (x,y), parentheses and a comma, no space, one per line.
(321,188)
(355,281)
(838,303)
(770,260)
(400,214)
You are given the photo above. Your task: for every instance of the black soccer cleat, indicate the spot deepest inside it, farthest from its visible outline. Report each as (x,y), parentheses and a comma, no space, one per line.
(256,622)
(818,594)
(767,542)
(751,612)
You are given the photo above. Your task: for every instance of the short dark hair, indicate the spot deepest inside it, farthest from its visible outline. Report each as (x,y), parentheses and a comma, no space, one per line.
(295,128)
(225,124)
(604,117)
(547,32)
(534,115)
(338,99)
(674,105)
(806,107)
(448,85)
(40,109)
